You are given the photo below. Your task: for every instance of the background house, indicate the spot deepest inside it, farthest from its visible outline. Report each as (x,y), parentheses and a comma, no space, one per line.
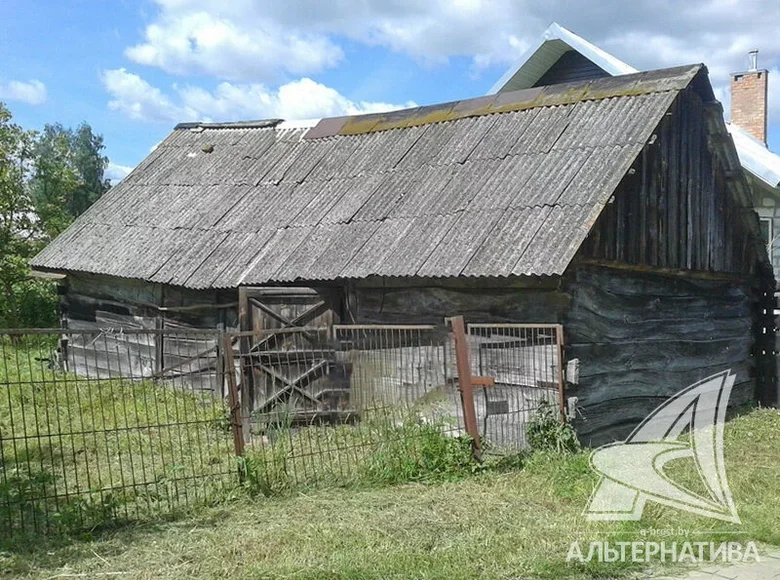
(562,56)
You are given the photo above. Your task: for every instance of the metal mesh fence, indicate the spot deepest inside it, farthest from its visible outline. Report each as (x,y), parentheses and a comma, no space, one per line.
(525,363)
(102,426)
(95,429)
(352,403)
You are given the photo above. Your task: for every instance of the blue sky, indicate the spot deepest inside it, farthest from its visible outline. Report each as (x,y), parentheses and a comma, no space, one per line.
(134,69)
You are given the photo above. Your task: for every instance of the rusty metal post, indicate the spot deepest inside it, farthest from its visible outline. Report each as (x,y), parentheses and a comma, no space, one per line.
(464,380)
(236,423)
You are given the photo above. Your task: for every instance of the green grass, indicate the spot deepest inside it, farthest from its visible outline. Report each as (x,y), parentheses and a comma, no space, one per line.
(320,502)
(492,525)
(376,451)
(80,453)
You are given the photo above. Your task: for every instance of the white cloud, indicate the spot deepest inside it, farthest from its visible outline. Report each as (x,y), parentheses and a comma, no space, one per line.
(250,41)
(116,173)
(137,99)
(301,99)
(265,51)
(32,92)
(199,42)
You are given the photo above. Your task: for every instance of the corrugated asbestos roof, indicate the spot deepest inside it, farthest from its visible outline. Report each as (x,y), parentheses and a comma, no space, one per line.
(503,186)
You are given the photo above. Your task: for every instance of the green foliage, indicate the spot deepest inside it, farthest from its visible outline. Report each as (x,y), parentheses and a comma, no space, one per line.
(506,525)
(547,432)
(417,451)
(19,227)
(68,174)
(376,451)
(46,181)
(34,304)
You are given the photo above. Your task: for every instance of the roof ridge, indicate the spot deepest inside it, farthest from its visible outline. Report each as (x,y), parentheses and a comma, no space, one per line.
(640,83)
(256,124)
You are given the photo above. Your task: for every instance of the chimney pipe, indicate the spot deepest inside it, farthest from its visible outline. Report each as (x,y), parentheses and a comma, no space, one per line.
(748,99)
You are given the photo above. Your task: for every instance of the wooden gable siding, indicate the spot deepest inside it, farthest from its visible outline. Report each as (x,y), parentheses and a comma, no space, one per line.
(674,209)
(571,67)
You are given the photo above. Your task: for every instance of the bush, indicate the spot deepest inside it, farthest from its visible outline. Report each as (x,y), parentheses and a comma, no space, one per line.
(546,431)
(415,451)
(37,305)
(31,304)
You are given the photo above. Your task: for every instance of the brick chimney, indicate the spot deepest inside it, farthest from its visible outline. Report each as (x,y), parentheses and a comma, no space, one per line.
(748,99)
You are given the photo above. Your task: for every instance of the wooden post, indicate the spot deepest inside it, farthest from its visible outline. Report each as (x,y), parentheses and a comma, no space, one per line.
(159,347)
(245,360)
(559,352)
(220,361)
(464,381)
(236,422)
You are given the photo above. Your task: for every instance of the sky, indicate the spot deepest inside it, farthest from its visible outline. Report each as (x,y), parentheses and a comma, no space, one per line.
(134,69)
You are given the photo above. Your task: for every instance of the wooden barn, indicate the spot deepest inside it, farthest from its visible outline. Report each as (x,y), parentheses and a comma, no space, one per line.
(616,207)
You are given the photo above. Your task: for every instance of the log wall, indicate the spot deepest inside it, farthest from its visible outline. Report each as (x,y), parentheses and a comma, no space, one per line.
(641,338)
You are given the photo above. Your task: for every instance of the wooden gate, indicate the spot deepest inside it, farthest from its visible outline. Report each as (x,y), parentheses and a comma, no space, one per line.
(290,373)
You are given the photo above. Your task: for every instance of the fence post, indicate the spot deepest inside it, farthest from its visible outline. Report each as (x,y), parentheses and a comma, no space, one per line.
(248,394)
(464,381)
(560,378)
(229,372)
(159,347)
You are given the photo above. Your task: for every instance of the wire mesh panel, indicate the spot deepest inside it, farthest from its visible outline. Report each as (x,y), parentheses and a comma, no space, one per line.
(525,363)
(403,371)
(95,428)
(343,404)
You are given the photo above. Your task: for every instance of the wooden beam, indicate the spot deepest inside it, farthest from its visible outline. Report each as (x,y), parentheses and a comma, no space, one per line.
(483,381)
(161,373)
(672,272)
(159,349)
(247,375)
(297,384)
(560,382)
(236,422)
(300,320)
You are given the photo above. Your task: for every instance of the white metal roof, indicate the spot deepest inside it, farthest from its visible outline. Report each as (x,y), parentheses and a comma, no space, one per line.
(556,40)
(755,157)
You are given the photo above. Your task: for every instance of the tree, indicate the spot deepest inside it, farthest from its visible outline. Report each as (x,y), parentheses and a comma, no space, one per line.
(68,175)
(20,234)
(46,181)
(90,165)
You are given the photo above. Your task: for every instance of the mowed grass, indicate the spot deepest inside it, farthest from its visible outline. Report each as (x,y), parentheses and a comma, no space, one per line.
(491,525)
